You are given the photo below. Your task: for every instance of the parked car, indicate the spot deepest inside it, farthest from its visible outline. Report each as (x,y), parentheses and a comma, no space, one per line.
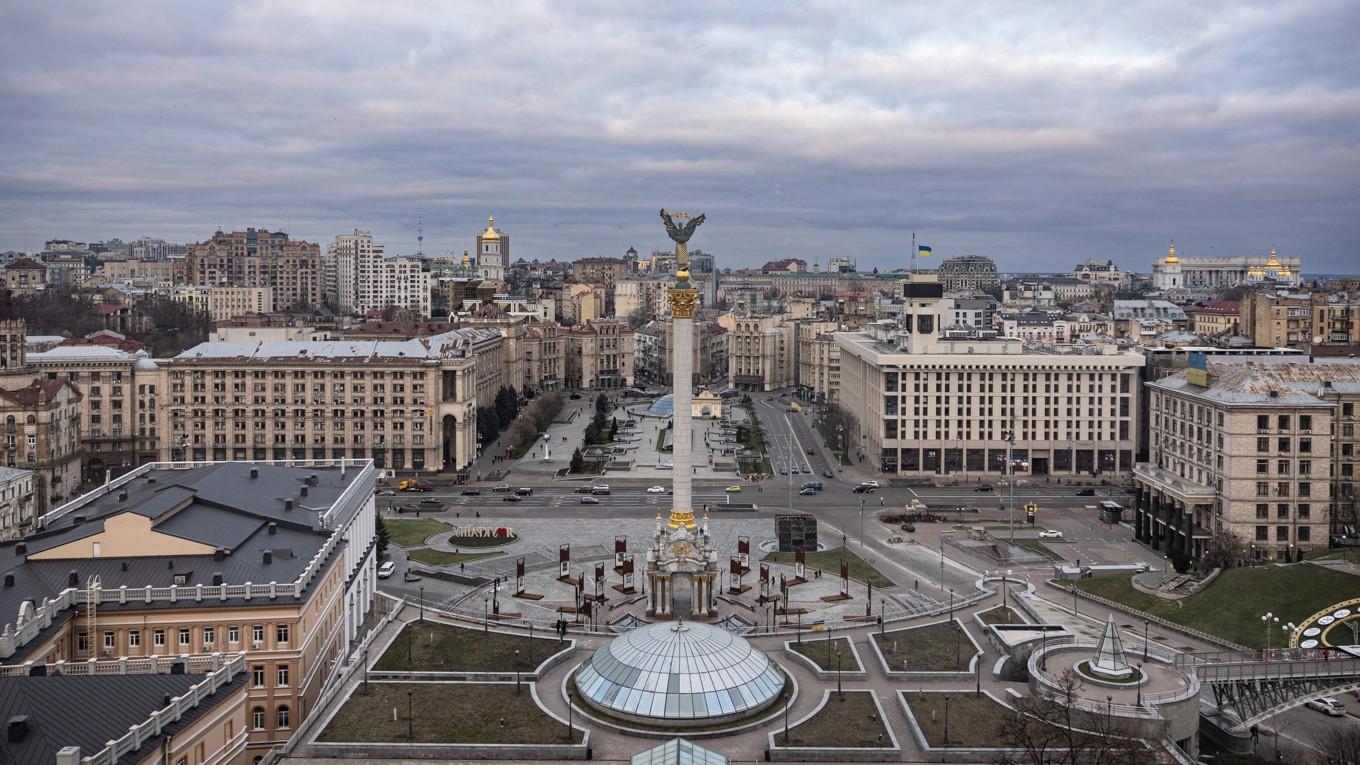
(656,489)
(733,489)
(387,569)
(589,500)
(511,498)
(501,487)
(1086,492)
(909,527)
(783,470)
(1328,706)
(470,493)
(804,492)
(984,489)
(1050,534)
(524,491)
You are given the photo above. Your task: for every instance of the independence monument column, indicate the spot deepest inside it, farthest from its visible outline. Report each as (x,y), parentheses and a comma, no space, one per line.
(683,300)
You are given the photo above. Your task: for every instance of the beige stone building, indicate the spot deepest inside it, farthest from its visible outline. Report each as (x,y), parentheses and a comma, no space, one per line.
(197,564)
(132,269)
(819,365)
(1277,319)
(224,303)
(25,276)
(1264,449)
(1336,319)
(407,405)
(17,507)
(1222,317)
(259,258)
(118,414)
(925,404)
(41,421)
(599,354)
(760,353)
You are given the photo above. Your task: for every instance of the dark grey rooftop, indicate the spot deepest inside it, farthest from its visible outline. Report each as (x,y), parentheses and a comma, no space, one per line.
(217,505)
(81,711)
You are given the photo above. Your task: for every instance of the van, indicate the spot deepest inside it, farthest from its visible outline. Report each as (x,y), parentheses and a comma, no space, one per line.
(387,569)
(814,485)
(602,489)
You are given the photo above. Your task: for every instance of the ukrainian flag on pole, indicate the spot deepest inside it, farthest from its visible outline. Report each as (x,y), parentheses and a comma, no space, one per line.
(924,251)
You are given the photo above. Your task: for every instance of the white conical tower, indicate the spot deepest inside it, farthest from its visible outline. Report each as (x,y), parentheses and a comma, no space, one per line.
(1110,660)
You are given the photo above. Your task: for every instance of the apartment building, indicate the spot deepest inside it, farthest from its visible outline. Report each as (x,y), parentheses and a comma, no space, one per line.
(115,404)
(599,354)
(1336,319)
(224,303)
(654,362)
(17,508)
(1105,274)
(928,404)
(133,269)
(25,276)
(1277,319)
(175,562)
(968,272)
(819,366)
(1263,448)
(1221,317)
(407,405)
(259,258)
(760,353)
(366,280)
(41,420)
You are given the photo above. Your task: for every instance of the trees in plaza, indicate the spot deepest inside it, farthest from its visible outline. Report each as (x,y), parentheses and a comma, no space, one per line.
(578,461)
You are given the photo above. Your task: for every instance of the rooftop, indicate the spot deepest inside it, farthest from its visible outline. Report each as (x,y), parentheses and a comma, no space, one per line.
(1263,381)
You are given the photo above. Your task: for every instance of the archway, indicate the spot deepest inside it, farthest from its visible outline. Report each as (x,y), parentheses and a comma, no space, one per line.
(449,426)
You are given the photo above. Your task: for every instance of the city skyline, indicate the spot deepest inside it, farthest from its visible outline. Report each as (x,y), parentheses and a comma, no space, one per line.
(1039,140)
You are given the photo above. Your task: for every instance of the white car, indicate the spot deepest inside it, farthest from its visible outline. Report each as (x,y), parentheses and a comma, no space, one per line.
(387,569)
(656,490)
(869,483)
(1328,706)
(1050,534)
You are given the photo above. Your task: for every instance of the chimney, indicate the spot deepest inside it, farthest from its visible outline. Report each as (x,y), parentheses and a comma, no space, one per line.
(16,729)
(9,580)
(304,491)
(170,563)
(21,549)
(268,557)
(122,496)
(151,479)
(68,755)
(217,578)
(287,505)
(313,480)
(125,565)
(254,472)
(273,528)
(219,554)
(73,579)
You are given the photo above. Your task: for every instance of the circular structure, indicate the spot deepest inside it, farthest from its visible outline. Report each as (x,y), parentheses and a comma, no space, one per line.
(662,407)
(679,674)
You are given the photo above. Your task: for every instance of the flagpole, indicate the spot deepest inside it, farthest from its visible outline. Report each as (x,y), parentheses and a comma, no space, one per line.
(913,251)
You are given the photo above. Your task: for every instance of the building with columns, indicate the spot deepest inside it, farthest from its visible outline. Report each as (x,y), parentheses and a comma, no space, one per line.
(1264,449)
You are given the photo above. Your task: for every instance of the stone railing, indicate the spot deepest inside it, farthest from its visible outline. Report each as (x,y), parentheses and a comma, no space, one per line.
(194,664)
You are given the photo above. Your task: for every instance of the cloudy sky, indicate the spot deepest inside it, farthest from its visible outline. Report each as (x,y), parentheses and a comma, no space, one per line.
(814,130)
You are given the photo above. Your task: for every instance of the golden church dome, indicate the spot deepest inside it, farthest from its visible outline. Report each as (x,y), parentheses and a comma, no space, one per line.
(490,232)
(1171,258)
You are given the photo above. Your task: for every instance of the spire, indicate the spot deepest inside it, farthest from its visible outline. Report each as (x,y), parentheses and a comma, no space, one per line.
(1110,660)
(490,232)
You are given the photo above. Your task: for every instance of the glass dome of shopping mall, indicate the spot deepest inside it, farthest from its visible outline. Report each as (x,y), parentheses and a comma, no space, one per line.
(681,673)
(663,407)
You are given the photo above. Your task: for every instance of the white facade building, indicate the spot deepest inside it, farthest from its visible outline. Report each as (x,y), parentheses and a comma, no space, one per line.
(365,280)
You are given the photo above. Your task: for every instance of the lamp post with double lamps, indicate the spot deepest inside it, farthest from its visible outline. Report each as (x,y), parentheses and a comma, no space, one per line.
(1269,620)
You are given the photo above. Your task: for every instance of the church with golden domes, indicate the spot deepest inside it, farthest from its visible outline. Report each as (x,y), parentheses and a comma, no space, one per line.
(1189,272)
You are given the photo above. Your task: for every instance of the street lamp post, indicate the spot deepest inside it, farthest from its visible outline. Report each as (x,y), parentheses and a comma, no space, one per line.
(1009,436)
(1140,683)
(1145,640)
(486,618)
(861,522)
(839,693)
(946,721)
(1268,620)
(516,671)
(410,711)
(422,605)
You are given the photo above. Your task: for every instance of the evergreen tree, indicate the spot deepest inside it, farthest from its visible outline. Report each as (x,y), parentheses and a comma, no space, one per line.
(578,461)
(383,538)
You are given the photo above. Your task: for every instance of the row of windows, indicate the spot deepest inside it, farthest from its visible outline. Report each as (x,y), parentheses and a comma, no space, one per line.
(185,637)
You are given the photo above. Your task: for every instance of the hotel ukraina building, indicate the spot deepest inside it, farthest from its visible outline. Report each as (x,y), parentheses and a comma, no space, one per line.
(926,403)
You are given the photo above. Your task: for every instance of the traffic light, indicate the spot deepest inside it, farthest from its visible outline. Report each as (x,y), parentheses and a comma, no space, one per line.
(1031,510)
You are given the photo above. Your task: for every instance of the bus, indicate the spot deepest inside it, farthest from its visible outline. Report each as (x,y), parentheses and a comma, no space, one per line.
(1111,511)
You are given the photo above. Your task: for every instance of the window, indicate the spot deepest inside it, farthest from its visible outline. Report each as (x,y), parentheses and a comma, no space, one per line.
(1306,445)
(1283,445)
(283,718)
(281,634)
(257,676)
(1282,512)
(1262,467)
(1262,512)
(1281,533)
(184,636)
(134,638)
(257,633)
(1282,489)
(108,641)
(209,636)
(1263,422)
(1306,421)
(233,634)
(1262,489)
(1305,467)
(1262,533)
(1303,532)
(257,718)
(1304,511)
(1305,489)
(1283,467)
(282,673)
(1284,422)
(158,638)
(1262,445)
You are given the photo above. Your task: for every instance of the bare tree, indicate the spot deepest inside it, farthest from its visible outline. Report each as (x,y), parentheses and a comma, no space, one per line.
(1225,550)
(1340,747)
(1050,729)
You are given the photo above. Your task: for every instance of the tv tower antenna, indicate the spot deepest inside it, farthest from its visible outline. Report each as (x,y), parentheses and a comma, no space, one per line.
(420,233)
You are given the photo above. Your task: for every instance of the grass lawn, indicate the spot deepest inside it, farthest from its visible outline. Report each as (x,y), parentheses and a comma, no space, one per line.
(441,558)
(441,648)
(939,647)
(1232,605)
(748,467)
(973,720)
(1351,554)
(850,720)
(523,449)
(822,652)
(445,714)
(409,533)
(661,441)
(1038,548)
(1001,615)
(829,561)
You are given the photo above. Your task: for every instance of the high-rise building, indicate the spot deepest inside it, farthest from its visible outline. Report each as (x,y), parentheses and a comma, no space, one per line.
(365,280)
(259,258)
